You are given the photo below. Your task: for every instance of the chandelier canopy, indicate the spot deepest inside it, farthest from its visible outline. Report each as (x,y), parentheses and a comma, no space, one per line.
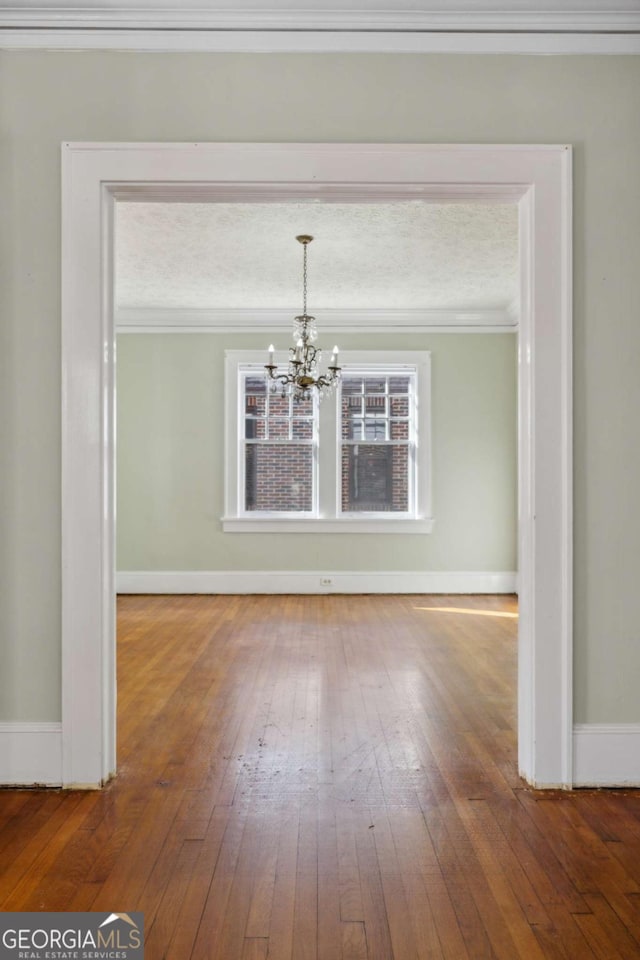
(302,376)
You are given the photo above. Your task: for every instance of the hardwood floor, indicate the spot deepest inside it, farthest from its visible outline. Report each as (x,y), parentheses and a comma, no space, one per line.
(328,778)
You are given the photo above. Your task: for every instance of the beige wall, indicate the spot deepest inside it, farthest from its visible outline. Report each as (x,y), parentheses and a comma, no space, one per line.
(590,102)
(170,479)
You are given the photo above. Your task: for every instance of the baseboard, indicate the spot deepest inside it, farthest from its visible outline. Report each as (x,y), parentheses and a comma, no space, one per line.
(31,754)
(606,755)
(316,581)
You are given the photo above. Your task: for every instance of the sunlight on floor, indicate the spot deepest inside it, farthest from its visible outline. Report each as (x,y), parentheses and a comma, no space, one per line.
(478,613)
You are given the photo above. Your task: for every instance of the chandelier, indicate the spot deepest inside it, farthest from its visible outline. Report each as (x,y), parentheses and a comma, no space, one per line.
(302,375)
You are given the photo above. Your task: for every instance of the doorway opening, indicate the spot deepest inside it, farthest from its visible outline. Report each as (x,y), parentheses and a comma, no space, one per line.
(537,179)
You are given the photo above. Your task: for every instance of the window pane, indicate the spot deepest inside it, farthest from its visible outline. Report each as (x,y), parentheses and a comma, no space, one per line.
(400,430)
(302,429)
(279,477)
(303,407)
(256,385)
(254,428)
(279,406)
(352,429)
(375,384)
(255,405)
(399,406)
(278,429)
(375,430)
(375,404)
(375,478)
(398,384)
(351,385)
(352,406)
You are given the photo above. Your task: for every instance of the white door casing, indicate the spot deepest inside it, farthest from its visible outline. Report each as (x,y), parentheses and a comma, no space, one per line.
(537,177)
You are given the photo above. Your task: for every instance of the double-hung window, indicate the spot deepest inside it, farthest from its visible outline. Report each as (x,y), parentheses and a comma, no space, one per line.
(359,462)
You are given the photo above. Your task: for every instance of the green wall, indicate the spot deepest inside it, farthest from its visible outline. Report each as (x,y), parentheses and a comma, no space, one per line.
(170,458)
(590,102)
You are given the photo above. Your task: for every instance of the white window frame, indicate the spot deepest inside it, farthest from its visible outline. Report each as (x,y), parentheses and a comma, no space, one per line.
(327,517)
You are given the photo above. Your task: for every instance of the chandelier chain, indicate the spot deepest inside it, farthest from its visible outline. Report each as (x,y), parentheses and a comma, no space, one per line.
(304,280)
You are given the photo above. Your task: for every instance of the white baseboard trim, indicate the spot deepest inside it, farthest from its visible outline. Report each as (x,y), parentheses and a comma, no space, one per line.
(313,581)
(606,755)
(31,754)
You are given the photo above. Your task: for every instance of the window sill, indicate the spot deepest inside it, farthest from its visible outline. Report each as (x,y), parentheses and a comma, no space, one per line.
(327,525)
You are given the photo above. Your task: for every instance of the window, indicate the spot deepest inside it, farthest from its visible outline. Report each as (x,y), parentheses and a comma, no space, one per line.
(358,462)
(377,431)
(280,450)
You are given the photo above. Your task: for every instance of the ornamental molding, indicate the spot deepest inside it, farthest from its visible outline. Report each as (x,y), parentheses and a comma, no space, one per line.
(172,29)
(102,17)
(202,320)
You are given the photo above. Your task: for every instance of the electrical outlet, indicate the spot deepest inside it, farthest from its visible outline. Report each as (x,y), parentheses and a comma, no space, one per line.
(326,581)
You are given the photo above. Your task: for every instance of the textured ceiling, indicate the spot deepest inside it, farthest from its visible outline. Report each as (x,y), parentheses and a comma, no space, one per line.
(405,255)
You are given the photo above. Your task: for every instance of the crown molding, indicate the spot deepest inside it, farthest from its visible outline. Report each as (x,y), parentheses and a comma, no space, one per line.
(103,17)
(202,320)
(174,29)
(256,41)
(309,192)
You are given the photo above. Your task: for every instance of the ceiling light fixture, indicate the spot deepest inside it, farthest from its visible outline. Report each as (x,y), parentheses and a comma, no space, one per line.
(303,376)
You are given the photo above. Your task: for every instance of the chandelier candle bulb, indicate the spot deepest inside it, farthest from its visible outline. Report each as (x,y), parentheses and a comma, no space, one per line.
(271,353)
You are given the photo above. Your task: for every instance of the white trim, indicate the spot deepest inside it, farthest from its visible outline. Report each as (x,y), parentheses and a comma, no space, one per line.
(94,174)
(31,754)
(606,755)
(29,15)
(565,486)
(255,192)
(314,581)
(234,320)
(367,32)
(180,41)
(349,525)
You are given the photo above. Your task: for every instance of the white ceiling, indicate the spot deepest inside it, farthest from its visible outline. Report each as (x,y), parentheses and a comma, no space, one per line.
(409,255)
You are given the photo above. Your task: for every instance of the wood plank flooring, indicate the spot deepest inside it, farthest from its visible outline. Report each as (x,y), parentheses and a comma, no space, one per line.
(328,778)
